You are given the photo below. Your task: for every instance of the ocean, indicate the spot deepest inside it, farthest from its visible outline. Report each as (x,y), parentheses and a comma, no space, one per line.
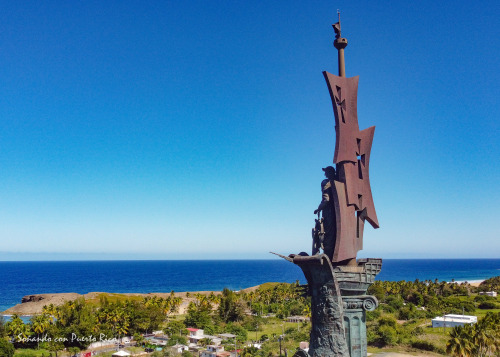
(18,279)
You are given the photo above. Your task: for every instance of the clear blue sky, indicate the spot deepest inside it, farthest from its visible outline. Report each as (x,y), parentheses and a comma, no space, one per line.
(198,130)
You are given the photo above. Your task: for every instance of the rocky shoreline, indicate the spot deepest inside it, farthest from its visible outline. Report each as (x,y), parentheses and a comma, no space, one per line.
(33,304)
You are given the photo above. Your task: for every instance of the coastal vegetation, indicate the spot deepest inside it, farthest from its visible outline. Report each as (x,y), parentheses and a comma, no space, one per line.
(402,320)
(406,308)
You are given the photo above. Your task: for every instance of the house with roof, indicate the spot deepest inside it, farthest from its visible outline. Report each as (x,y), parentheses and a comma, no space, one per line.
(212,351)
(178,348)
(195,335)
(226,336)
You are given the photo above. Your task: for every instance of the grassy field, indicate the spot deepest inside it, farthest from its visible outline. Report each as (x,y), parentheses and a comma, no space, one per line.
(400,349)
(32,353)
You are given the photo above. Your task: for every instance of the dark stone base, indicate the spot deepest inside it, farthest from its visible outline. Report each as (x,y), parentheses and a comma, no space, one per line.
(338,304)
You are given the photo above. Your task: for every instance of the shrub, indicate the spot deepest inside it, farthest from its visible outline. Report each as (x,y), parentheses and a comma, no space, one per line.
(423,345)
(387,320)
(396,302)
(483,298)
(418,331)
(487,305)
(6,348)
(290,330)
(388,335)
(372,315)
(417,299)
(405,313)
(371,337)
(387,308)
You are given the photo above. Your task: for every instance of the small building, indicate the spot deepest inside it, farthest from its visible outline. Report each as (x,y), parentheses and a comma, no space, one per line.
(212,351)
(453,320)
(489,293)
(297,319)
(195,334)
(216,340)
(158,341)
(195,331)
(226,336)
(179,348)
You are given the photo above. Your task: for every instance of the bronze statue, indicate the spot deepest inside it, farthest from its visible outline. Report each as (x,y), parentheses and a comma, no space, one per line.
(327,208)
(337,282)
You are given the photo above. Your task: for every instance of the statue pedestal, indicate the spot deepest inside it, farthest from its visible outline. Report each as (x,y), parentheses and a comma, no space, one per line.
(338,304)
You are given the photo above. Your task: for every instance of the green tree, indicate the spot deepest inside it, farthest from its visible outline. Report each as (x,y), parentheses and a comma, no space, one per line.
(177,340)
(240,332)
(55,347)
(3,330)
(460,342)
(377,290)
(199,316)
(17,329)
(481,339)
(492,284)
(138,338)
(230,309)
(73,351)
(249,351)
(175,327)
(40,324)
(6,348)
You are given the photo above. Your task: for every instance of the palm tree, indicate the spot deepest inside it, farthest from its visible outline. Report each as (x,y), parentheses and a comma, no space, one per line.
(214,299)
(460,343)
(122,325)
(176,303)
(486,335)
(16,328)
(51,311)
(40,324)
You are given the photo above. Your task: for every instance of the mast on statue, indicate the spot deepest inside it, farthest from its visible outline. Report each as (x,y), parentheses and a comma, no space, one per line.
(340,43)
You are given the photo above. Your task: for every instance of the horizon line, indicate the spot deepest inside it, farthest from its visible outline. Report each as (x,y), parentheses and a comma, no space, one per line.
(206,260)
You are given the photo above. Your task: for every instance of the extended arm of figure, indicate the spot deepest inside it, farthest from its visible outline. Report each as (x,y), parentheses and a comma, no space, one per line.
(326,197)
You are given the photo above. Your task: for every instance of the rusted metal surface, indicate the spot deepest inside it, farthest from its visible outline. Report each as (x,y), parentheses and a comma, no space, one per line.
(353,198)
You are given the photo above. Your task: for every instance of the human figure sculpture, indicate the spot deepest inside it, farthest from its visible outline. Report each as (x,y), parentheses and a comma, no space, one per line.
(327,209)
